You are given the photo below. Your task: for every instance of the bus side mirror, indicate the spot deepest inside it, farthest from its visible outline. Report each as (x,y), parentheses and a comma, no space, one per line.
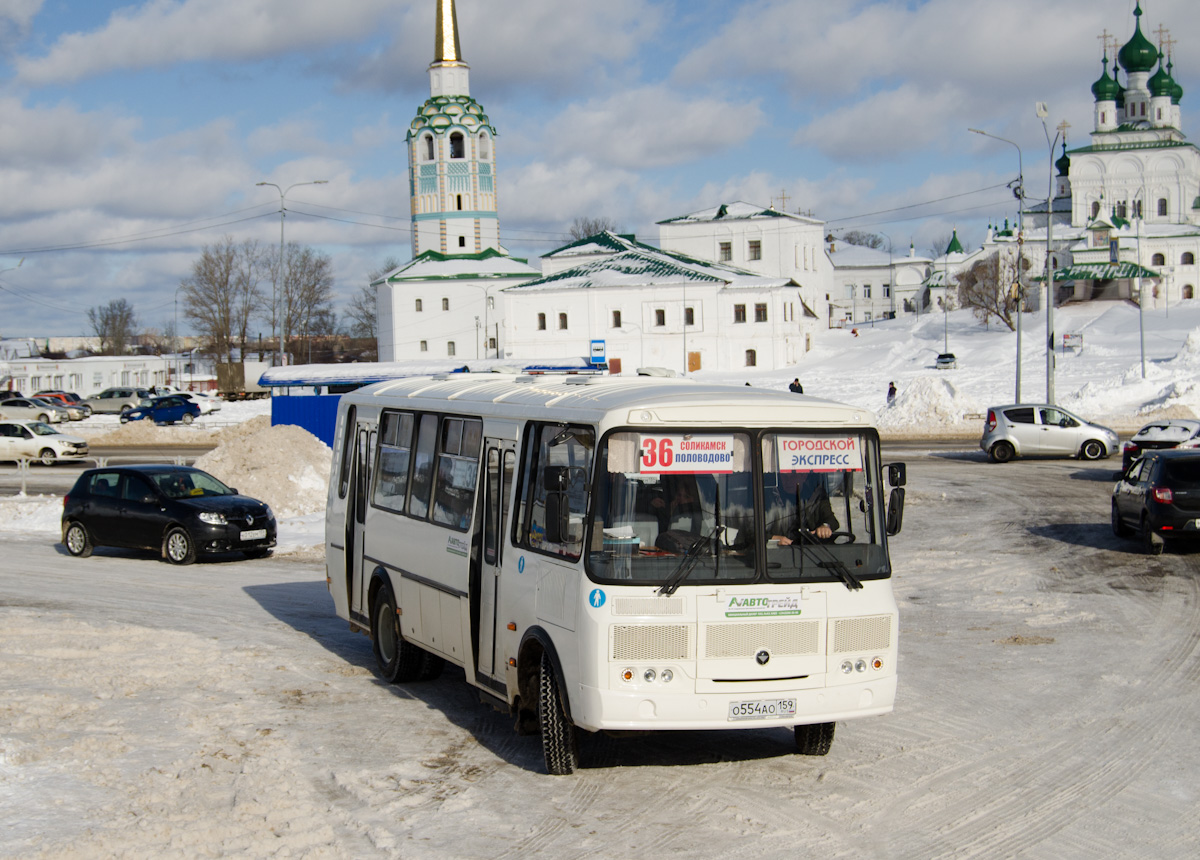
(895,511)
(897,474)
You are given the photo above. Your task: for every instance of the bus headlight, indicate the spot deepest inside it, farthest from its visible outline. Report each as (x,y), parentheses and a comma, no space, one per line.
(648,675)
(860,666)
(666,675)
(847,667)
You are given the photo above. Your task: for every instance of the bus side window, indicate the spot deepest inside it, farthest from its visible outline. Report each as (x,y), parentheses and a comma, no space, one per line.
(458,467)
(422,475)
(555,489)
(395,452)
(347,448)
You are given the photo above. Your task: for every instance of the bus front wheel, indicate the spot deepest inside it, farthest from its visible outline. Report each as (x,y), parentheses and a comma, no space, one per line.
(815,739)
(399,661)
(559,743)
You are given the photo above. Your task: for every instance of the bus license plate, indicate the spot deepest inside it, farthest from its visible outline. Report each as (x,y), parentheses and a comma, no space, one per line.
(764,709)
(254,534)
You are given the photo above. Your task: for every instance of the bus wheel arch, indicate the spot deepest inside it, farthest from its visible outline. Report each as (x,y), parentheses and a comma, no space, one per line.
(398,660)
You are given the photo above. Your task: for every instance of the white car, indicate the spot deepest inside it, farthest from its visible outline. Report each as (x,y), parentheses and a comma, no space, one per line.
(35,440)
(206,403)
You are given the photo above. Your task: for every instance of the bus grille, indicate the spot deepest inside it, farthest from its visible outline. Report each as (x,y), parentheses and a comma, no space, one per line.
(651,642)
(648,606)
(862,634)
(744,640)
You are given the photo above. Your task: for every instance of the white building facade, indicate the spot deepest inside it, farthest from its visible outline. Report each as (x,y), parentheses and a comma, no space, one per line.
(870,284)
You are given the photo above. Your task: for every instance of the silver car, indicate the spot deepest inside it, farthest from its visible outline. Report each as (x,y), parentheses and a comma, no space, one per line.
(32,410)
(117,400)
(1043,430)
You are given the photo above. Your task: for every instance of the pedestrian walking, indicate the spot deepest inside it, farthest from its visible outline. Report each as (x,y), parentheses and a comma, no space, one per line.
(796,387)
(891,393)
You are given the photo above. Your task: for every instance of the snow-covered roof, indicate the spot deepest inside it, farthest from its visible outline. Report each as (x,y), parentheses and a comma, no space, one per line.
(846,255)
(433,266)
(644,266)
(738,211)
(364,373)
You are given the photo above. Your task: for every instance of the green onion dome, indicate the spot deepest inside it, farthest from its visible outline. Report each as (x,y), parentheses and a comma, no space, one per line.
(1138,55)
(1064,163)
(1176,89)
(1106,89)
(1161,83)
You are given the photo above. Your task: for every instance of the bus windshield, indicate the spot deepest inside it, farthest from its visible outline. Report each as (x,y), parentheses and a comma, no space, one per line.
(737,506)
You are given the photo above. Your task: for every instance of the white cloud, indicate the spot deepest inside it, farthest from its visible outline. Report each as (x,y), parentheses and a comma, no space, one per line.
(165,32)
(16,16)
(652,127)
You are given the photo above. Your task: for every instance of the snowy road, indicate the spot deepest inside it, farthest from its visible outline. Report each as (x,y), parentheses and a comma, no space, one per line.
(1047,701)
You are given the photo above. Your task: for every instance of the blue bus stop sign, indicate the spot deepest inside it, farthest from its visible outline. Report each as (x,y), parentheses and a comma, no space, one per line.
(597,356)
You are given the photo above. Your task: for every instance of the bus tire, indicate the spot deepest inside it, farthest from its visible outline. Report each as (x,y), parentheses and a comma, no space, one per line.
(399,661)
(814,739)
(560,746)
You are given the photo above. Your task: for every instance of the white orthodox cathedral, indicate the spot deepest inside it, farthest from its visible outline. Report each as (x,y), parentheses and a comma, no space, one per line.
(740,285)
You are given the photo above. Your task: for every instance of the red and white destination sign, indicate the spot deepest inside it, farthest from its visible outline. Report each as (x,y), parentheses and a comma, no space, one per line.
(819,453)
(669,454)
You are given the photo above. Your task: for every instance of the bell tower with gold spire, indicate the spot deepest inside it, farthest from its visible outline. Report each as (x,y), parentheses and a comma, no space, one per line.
(452,156)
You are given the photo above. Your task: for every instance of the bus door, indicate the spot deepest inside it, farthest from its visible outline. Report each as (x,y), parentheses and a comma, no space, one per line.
(360,488)
(500,457)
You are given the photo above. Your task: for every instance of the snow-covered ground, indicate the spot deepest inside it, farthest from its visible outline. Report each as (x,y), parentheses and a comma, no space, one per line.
(1047,668)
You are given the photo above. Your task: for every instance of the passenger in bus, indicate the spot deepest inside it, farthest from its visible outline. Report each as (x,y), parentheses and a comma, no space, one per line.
(680,509)
(815,516)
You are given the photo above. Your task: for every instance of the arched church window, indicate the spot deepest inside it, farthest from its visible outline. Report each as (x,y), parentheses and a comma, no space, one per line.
(458,145)
(1137,208)
(1122,210)
(458,202)
(1188,259)
(1095,208)
(1188,291)
(429,147)
(484,150)
(445,304)
(751,358)
(1158,260)
(1162,206)
(418,307)
(541,322)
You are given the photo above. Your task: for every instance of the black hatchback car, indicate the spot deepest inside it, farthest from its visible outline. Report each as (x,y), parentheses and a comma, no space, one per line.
(1158,499)
(176,510)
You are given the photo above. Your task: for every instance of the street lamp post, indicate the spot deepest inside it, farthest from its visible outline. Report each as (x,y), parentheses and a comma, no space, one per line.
(1043,111)
(277,287)
(1019,192)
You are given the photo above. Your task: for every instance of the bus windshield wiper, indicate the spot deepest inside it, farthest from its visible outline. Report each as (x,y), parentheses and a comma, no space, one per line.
(688,562)
(830,561)
(843,572)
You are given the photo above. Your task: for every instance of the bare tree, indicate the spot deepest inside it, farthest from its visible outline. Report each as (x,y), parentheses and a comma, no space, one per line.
(581,228)
(864,239)
(361,309)
(939,244)
(307,293)
(223,294)
(990,288)
(114,325)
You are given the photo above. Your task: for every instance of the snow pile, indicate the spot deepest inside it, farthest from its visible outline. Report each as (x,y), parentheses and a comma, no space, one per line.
(933,402)
(148,433)
(26,514)
(285,466)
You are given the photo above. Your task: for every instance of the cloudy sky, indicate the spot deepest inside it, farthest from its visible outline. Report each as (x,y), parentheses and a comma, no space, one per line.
(132,134)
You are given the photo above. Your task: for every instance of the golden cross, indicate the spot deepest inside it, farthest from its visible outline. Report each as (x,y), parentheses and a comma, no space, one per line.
(1104,37)
(783,199)
(1162,33)
(1169,43)
(1062,127)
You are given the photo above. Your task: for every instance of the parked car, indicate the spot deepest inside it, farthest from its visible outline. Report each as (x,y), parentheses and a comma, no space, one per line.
(164,410)
(74,412)
(1043,430)
(67,399)
(8,395)
(206,403)
(1158,435)
(32,410)
(36,440)
(946,361)
(116,400)
(1158,499)
(179,511)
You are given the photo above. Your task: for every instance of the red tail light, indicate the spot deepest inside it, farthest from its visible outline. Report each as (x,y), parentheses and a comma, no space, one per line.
(991,421)
(1163,494)
(66,498)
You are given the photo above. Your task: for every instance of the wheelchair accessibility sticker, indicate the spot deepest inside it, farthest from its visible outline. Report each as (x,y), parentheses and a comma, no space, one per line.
(596,598)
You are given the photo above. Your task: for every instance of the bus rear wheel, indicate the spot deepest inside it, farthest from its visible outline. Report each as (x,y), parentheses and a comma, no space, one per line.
(398,661)
(560,745)
(815,739)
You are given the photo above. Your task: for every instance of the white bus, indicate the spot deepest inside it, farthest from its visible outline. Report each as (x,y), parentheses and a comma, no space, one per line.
(620,553)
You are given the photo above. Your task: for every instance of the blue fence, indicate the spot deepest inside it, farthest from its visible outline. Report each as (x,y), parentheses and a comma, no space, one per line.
(316,414)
